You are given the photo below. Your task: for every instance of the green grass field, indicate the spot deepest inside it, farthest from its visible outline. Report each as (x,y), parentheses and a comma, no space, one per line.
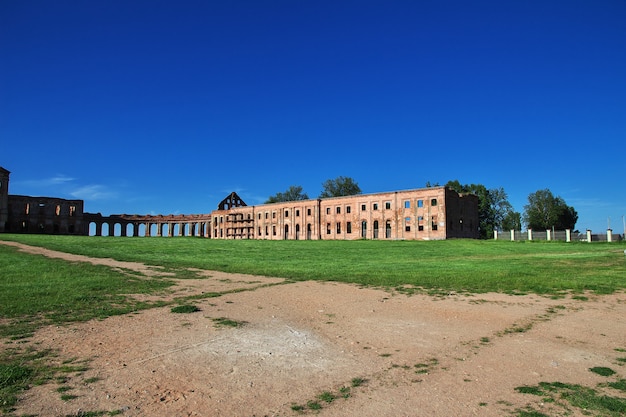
(58,291)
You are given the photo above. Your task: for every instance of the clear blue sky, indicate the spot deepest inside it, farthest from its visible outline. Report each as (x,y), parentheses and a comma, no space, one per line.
(166,107)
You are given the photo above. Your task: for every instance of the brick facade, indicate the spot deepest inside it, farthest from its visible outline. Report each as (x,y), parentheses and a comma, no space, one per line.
(434,213)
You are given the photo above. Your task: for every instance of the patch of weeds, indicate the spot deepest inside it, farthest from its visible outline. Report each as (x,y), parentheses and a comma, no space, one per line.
(482,404)
(580,298)
(530,413)
(226,322)
(327,396)
(64,388)
(602,371)
(620,350)
(618,385)
(345,392)
(92,380)
(385,355)
(584,398)
(68,397)
(357,382)
(529,390)
(314,405)
(515,328)
(185,308)
(484,340)
(297,407)
(424,368)
(621,360)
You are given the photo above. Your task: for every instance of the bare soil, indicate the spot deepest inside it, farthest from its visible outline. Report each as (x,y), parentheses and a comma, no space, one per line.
(418,355)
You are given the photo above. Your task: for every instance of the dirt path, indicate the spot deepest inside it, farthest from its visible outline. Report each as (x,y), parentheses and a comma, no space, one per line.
(419,356)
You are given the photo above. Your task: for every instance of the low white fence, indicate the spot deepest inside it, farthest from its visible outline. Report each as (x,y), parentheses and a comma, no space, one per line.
(562,235)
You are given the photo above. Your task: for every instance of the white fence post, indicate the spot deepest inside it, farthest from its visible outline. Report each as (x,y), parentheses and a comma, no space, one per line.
(530,234)
(609,235)
(588,235)
(568,235)
(512,235)
(548,236)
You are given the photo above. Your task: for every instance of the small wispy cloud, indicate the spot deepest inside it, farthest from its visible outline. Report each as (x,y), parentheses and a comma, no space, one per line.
(93,192)
(56,180)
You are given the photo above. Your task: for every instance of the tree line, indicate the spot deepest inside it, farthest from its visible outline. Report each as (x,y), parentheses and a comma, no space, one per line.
(543,211)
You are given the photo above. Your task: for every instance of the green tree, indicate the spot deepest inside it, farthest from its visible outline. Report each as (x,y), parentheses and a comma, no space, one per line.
(512,221)
(493,206)
(339,187)
(293,193)
(545,211)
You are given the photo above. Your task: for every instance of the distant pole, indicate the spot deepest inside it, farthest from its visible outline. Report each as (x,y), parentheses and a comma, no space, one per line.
(624,224)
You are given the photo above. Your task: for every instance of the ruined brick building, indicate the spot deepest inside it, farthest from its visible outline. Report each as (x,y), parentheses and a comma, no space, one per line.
(432,213)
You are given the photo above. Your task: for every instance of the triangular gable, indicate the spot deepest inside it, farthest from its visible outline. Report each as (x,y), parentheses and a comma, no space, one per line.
(233,200)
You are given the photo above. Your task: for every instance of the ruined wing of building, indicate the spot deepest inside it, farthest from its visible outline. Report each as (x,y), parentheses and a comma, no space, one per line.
(433,213)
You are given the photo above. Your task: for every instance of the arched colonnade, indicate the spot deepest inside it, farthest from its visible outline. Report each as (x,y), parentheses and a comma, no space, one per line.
(137,225)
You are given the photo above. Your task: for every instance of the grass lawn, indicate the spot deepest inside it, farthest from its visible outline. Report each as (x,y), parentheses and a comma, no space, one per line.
(451,265)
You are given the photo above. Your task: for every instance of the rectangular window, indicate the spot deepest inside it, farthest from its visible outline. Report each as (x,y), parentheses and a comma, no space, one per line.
(308,212)
(387,205)
(338,210)
(348,209)
(259,216)
(349,227)
(420,203)
(259,230)
(266,231)
(327,210)
(266,215)
(327,228)
(433,202)
(273,215)
(375,206)
(338,228)
(274,230)
(407,204)
(57,210)
(407,224)
(420,223)
(297,213)
(363,207)
(72,211)
(286,213)
(27,208)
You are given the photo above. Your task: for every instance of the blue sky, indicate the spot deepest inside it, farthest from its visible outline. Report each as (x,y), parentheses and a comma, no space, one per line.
(166,107)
